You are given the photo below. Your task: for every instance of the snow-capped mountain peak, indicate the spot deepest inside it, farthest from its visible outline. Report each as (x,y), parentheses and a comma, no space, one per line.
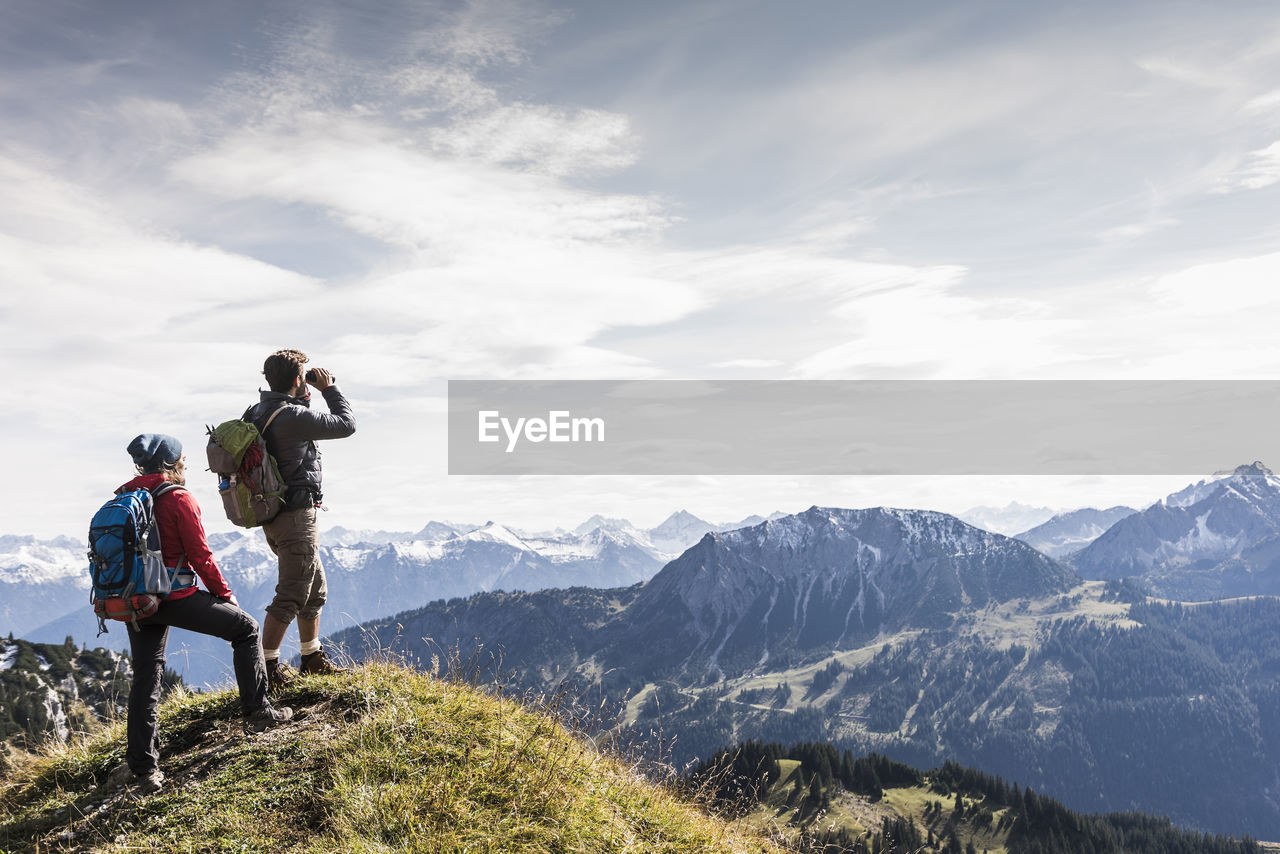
(598,521)
(677,531)
(1214,538)
(492,532)
(26,560)
(679,520)
(1254,469)
(1250,475)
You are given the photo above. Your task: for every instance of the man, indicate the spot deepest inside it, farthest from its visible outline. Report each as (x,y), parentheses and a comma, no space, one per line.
(159,459)
(291,438)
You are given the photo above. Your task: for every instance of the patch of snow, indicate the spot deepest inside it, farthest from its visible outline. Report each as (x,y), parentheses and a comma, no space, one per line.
(859,602)
(789,531)
(418,550)
(598,521)
(33,562)
(246,545)
(340,536)
(8,656)
(1195,493)
(1199,541)
(347,559)
(567,548)
(494,533)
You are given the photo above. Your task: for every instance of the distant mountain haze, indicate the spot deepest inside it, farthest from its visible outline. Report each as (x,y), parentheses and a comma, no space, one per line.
(1007,520)
(1069,532)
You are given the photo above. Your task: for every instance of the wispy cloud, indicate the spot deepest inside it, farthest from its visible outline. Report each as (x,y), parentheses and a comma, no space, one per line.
(1259,169)
(1135,230)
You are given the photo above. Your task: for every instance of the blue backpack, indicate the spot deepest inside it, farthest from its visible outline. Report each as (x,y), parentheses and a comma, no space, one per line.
(128,573)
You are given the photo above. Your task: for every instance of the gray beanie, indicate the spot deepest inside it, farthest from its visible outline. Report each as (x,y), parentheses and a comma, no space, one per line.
(150,451)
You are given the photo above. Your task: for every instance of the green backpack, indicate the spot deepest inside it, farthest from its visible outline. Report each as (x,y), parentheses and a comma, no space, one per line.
(249,480)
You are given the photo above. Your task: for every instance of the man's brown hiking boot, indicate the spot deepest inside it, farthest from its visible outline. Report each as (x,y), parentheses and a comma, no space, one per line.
(318,664)
(279,676)
(266,717)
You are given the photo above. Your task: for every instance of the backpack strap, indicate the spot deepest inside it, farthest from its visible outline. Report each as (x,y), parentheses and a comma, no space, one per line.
(279,409)
(158,490)
(164,488)
(262,431)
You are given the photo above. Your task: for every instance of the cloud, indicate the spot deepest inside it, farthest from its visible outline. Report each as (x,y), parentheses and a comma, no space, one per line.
(1244,288)
(898,206)
(1135,230)
(1259,169)
(928,329)
(387,187)
(111,329)
(543,139)
(84,285)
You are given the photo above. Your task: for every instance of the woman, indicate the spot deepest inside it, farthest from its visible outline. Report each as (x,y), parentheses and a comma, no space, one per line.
(158,458)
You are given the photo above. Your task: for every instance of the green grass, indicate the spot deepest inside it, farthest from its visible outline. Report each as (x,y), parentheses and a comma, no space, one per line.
(378,759)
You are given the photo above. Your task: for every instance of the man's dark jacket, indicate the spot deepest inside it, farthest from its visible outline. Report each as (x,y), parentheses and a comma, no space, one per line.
(292,437)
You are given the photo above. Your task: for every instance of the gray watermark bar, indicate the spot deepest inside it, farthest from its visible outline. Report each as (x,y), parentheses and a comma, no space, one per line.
(864,427)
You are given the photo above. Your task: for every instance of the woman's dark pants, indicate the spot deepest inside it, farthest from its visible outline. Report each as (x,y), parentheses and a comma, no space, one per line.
(200,612)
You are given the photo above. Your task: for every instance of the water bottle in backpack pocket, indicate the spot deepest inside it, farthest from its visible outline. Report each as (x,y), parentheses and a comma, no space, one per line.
(126,569)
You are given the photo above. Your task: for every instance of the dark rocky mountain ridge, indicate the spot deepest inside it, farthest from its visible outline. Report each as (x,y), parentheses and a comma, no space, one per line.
(820,579)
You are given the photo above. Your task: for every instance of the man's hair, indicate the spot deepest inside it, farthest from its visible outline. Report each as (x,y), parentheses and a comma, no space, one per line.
(282,368)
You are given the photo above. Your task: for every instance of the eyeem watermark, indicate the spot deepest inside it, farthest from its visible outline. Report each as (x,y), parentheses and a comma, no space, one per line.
(799,427)
(559,426)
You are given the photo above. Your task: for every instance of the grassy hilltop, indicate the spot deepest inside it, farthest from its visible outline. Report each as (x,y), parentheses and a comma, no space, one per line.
(379,759)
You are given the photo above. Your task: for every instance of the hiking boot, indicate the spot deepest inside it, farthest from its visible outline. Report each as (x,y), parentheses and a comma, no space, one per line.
(279,676)
(267,717)
(318,664)
(146,783)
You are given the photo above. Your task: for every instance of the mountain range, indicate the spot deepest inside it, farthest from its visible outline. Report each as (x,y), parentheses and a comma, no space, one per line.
(914,634)
(755,600)
(44,585)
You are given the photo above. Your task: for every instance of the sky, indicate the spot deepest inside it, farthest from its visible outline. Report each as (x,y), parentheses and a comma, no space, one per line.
(414,192)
